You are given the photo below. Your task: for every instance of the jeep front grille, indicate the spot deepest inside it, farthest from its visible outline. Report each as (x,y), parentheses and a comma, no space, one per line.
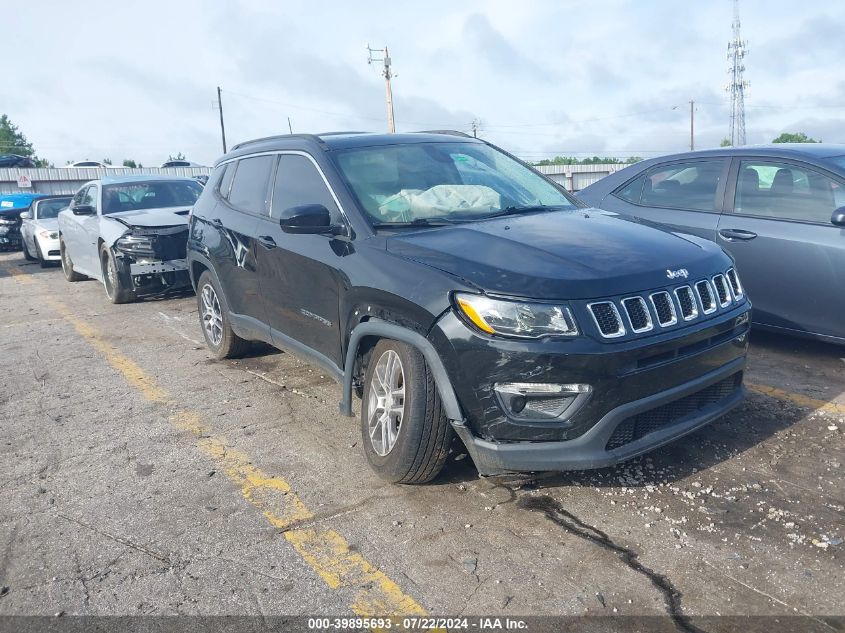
(638,314)
(664,308)
(607,319)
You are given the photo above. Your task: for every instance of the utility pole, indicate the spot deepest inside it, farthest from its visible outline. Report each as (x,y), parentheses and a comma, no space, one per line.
(387,74)
(222,127)
(475,125)
(691,125)
(737,49)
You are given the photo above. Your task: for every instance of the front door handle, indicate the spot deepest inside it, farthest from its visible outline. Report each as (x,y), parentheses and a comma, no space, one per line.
(737,234)
(266,241)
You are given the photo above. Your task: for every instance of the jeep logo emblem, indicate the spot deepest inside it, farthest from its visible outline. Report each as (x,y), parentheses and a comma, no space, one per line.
(674,274)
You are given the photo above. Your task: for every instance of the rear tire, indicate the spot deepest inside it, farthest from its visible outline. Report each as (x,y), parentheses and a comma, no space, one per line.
(26,254)
(405,432)
(115,290)
(214,320)
(67,264)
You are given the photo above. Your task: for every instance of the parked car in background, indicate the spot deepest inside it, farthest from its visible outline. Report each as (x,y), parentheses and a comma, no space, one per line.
(779,210)
(130,233)
(16,160)
(457,290)
(179,163)
(40,229)
(90,164)
(11,207)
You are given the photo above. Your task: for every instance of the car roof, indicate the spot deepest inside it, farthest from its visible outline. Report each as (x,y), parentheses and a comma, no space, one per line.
(784,150)
(121,180)
(328,141)
(68,196)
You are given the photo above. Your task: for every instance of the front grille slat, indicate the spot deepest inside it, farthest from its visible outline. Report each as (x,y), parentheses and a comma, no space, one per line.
(607,319)
(664,308)
(706,296)
(733,280)
(638,315)
(722,292)
(638,426)
(686,301)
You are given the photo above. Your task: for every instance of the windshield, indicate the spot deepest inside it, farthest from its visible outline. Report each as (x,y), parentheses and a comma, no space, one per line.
(150,195)
(839,161)
(422,182)
(50,208)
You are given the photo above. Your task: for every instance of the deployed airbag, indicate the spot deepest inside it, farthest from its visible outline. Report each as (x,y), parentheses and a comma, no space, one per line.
(439,201)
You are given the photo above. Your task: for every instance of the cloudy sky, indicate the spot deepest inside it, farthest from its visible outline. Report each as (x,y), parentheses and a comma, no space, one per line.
(613,77)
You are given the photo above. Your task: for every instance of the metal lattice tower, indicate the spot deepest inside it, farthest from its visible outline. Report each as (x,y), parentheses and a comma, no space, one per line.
(737,49)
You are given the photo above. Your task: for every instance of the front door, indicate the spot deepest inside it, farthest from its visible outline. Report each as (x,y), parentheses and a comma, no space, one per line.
(299,274)
(789,256)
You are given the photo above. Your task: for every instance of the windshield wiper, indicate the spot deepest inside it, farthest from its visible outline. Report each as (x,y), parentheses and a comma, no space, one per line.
(417,222)
(519,210)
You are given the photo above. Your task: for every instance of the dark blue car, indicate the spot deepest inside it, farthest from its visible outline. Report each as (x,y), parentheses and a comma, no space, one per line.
(11,207)
(779,210)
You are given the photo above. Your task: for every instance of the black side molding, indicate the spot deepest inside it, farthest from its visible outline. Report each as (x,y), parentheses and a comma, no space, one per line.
(383,329)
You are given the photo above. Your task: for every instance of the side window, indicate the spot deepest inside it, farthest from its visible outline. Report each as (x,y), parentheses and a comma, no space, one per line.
(781,190)
(227,172)
(298,182)
(689,185)
(90,196)
(249,185)
(80,196)
(633,190)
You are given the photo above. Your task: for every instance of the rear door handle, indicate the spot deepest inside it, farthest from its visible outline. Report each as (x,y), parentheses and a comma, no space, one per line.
(266,241)
(736,234)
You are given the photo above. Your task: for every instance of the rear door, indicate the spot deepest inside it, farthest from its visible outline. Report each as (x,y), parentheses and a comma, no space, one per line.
(790,257)
(684,195)
(299,274)
(242,198)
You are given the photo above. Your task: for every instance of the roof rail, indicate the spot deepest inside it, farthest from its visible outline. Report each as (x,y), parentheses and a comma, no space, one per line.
(450,132)
(342,132)
(310,137)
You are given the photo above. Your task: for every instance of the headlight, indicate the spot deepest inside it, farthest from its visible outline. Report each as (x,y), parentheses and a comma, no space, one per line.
(135,245)
(49,235)
(516,318)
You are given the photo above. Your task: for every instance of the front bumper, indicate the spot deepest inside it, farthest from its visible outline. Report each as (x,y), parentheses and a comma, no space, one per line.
(592,449)
(49,249)
(699,368)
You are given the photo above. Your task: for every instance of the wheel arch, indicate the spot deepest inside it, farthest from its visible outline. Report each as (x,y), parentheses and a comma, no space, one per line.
(367,333)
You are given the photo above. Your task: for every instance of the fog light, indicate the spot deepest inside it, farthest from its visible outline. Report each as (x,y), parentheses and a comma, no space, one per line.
(541,401)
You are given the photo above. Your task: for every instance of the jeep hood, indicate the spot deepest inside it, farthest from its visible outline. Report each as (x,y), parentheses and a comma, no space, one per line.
(580,254)
(152,218)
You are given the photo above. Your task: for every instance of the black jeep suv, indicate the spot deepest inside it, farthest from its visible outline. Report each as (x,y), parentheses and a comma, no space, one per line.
(455,289)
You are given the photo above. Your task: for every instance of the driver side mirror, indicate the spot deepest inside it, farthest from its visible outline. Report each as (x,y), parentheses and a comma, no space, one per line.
(26,215)
(838,217)
(309,219)
(83,209)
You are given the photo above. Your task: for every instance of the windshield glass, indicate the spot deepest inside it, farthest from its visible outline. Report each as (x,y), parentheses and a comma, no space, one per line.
(50,208)
(150,195)
(838,161)
(443,181)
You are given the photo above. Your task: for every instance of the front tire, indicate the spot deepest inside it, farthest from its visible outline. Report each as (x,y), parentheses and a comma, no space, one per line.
(26,254)
(115,290)
(67,264)
(405,432)
(214,320)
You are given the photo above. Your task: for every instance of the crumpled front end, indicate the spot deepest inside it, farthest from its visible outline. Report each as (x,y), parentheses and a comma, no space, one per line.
(10,231)
(151,260)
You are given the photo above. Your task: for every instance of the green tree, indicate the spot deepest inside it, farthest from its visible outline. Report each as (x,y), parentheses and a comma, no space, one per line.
(12,141)
(595,160)
(726,142)
(179,156)
(107,161)
(794,137)
(130,162)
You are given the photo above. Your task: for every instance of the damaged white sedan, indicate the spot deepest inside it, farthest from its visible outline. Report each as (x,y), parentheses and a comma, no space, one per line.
(130,233)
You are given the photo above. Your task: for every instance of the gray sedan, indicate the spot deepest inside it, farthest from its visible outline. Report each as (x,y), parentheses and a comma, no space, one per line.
(779,210)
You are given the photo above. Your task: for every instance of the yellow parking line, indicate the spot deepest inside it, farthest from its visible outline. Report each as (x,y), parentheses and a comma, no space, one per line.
(325,551)
(798,399)
(19,275)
